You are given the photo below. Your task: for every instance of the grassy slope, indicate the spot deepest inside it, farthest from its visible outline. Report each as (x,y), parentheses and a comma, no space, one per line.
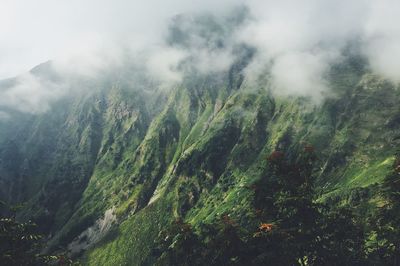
(225,150)
(194,154)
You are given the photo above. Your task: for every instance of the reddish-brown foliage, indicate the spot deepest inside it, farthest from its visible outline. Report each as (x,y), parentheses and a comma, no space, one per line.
(228,220)
(309,149)
(275,156)
(266,227)
(258,212)
(183,227)
(253,187)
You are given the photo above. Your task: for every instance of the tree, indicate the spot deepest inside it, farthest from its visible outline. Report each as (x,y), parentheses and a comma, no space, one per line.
(217,243)
(387,223)
(296,230)
(178,245)
(293,228)
(20,243)
(224,243)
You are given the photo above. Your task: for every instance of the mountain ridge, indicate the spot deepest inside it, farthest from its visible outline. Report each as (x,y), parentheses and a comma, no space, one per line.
(190,152)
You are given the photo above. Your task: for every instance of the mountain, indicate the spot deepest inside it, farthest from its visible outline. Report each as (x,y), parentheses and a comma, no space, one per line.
(110,165)
(105,170)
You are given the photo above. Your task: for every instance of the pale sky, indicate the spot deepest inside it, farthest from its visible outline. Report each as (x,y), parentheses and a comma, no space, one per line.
(32,32)
(299,39)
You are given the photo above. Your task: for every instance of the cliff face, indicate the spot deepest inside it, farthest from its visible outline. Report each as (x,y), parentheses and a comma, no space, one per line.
(105,170)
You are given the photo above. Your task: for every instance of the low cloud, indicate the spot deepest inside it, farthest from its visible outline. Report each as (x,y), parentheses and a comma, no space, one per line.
(382,38)
(31,94)
(4,116)
(162,64)
(299,74)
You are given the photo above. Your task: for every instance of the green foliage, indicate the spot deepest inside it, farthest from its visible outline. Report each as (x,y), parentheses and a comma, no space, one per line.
(300,231)
(194,152)
(215,244)
(386,225)
(21,244)
(178,245)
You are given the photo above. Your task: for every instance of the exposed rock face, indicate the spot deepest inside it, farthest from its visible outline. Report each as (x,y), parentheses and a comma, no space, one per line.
(93,234)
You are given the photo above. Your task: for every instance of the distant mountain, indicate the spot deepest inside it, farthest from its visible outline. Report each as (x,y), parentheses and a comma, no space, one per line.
(105,169)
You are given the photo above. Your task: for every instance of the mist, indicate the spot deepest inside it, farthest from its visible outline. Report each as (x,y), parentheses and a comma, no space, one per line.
(295,41)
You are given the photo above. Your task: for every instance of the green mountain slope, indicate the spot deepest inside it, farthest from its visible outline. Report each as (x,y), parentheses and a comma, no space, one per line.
(214,163)
(105,171)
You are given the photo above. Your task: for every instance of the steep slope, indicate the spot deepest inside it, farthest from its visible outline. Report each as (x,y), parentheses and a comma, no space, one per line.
(193,158)
(48,159)
(106,169)
(354,135)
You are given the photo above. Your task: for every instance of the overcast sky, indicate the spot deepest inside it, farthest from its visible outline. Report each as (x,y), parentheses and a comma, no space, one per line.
(301,37)
(35,31)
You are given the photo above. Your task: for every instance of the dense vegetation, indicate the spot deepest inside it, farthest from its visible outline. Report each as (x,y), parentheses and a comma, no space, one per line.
(293,228)
(21,244)
(130,173)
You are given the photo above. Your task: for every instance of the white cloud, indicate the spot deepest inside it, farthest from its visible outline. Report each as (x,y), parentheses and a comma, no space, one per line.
(162,64)
(299,74)
(31,94)
(382,38)
(296,40)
